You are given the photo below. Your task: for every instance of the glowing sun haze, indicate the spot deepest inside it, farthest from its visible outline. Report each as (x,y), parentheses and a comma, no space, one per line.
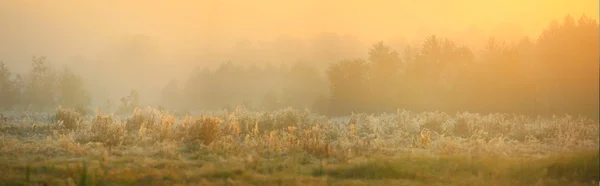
(267,19)
(61,29)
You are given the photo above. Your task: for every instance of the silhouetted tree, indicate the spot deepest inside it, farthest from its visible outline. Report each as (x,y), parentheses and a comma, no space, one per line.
(384,77)
(40,90)
(71,90)
(560,69)
(432,73)
(349,85)
(568,63)
(129,102)
(302,86)
(171,96)
(9,92)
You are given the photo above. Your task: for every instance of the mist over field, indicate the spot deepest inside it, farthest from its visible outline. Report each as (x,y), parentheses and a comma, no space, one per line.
(239,92)
(117,46)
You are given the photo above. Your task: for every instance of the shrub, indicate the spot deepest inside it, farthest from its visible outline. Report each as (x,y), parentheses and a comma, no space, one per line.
(246,122)
(3,119)
(433,125)
(405,122)
(165,130)
(425,138)
(83,110)
(205,129)
(315,142)
(461,128)
(232,127)
(362,124)
(496,127)
(107,131)
(137,119)
(129,103)
(287,117)
(69,118)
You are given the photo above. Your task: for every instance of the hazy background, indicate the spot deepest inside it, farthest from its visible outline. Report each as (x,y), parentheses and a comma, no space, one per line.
(122,45)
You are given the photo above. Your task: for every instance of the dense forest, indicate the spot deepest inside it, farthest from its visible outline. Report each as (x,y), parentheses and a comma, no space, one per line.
(555,73)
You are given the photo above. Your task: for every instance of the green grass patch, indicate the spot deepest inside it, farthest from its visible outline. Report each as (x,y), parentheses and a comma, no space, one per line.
(582,167)
(579,167)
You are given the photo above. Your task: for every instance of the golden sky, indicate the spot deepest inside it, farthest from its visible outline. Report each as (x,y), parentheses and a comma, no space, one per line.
(261,19)
(61,29)
(82,27)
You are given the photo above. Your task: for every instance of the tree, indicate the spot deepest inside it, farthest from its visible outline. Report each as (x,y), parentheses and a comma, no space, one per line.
(8,88)
(432,73)
(193,91)
(71,90)
(429,75)
(349,86)
(568,55)
(409,55)
(41,88)
(170,95)
(386,61)
(303,84)
(384,76)
(499,81)
(129,103)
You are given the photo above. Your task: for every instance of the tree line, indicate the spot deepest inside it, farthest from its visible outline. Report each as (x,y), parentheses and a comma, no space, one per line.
(554,73)
(42,88)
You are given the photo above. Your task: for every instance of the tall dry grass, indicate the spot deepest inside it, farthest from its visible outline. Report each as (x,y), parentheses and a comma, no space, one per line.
(291,131)
(70,119)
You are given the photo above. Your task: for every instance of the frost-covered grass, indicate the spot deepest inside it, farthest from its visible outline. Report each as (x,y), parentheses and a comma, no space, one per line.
(290,147)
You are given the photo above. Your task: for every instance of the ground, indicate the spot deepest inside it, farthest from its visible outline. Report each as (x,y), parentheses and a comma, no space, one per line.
(289,147)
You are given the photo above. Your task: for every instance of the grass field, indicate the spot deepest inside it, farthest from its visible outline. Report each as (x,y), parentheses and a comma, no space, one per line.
(290,147)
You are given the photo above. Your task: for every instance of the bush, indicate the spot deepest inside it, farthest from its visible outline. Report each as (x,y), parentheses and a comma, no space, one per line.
(205,129)
(83,110)
(461,128)
(129,103)
(434,125)
(3,119)
(106,131)
(165,130)
(69,118)
(137,119)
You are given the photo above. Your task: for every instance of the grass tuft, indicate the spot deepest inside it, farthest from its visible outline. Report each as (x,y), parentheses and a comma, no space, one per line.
(205,129)
(70,119)
(107,131)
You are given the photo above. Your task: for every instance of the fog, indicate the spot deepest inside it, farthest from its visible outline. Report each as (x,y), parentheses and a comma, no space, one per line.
(122,45)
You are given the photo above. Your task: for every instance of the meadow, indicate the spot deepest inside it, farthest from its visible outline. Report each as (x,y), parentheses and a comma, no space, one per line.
(527,73)
(295,147)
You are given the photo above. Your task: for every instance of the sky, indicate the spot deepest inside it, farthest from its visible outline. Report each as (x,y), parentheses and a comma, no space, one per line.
(85,24)
(181,32)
